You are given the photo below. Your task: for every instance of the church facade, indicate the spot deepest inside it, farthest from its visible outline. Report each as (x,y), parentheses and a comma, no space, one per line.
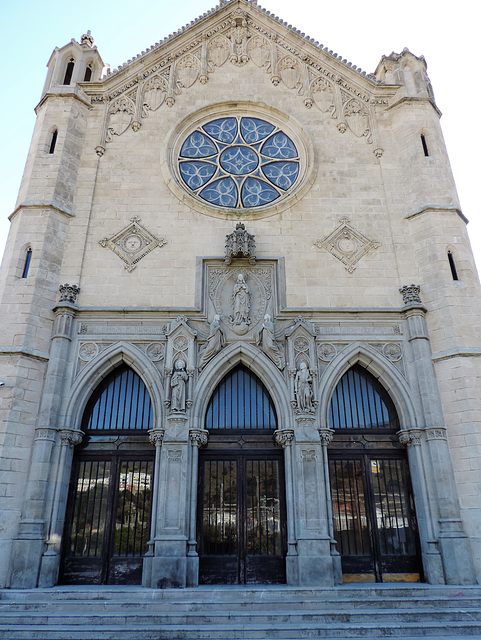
(240,322)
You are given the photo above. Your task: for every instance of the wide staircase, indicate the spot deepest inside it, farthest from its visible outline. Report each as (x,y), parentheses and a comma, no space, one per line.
(224,613)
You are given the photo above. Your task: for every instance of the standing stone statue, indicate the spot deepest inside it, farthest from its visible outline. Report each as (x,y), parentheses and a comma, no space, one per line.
(303,389)
(268,342)
(215,342)
(241,297)
(177,385)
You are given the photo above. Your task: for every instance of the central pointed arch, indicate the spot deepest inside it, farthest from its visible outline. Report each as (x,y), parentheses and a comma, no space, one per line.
(257,362)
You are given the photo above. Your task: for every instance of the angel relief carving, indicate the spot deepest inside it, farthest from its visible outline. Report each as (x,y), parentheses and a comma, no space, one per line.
(155,92)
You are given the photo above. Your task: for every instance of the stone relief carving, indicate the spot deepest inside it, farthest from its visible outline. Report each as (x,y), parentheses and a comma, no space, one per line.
(267,340)
(392,351)
(120,116)
(323,96)
(410,294)
(303,390)
(240,244)
(215,342)
(259,51)
(187,71)
(88,351)
(357,119)
(326,352)
(218,51)
(347,245)
(240,318)
(132,243)
(238,37)
(178,384)
(155,93)
(155,351)
(290,71)
(68,293)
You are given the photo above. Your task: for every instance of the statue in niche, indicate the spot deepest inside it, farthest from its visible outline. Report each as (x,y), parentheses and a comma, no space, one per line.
(267,340)
(241,297)
(303,389)
(215,342)
(177,384)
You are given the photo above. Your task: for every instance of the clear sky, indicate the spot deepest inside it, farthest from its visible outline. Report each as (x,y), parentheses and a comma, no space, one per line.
(446,34)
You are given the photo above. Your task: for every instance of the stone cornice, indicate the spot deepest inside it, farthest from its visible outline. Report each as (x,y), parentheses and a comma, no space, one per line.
(437,208)
(70,94)
(41,205)
(457,353)
(413,99)
(27,353)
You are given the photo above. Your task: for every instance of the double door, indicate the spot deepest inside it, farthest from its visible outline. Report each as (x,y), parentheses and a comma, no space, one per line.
(108,518)
(374,521)
(241,523)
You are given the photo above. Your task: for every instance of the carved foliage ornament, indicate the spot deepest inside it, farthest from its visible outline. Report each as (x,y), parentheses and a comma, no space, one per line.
(132,243)
(410,294)
(69,292)
(347,245)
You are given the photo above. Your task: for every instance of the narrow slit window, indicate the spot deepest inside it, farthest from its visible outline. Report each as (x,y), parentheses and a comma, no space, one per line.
(88,73)
(425,145)
(69,71)
(53,141)
(452,266)
(26,264)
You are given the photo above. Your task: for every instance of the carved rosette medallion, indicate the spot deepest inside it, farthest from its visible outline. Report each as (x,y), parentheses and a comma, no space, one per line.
(155,351)
(392,351)
(88,351)
(326,352)
(347,244)
(132,243)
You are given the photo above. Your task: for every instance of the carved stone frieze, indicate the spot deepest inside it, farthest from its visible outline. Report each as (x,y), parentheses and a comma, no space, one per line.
(132,243)
(347,244)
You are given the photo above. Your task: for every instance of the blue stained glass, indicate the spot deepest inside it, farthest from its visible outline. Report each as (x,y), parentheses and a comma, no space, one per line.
(282,174)
(197,174)
(223,129)
(279,146)
(239,160)
(198,145)
(254,129)
(222,192)
(256,193)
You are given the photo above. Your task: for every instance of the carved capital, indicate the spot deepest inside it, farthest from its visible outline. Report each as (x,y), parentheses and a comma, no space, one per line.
(326,436)
(199,437)
(410,294)
(410,437)
(436,433)
(69,292)
(284,437)
(156,436)
(70,437)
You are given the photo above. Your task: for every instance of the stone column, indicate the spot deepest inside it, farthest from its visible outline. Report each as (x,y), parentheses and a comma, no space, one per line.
(453,541)
(284,438)
(326,436)
(169,562)
(51,558)
(432,561)
(35,524)
(156,437)
(198,438)
(314,560)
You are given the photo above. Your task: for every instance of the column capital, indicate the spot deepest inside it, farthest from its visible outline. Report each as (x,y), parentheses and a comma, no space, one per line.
(326,436)
(198,437)
(410,437)
(71,437)
(284,437)
(156,436)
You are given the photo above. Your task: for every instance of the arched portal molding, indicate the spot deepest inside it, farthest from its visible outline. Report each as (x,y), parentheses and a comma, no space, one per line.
(258,363)
(99,367)
(380,368)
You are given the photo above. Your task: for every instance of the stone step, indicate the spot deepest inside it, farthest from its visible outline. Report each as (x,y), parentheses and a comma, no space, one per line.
(225,617)
(237,632)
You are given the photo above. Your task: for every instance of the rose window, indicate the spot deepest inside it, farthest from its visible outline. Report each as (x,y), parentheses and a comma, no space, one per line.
(239,162)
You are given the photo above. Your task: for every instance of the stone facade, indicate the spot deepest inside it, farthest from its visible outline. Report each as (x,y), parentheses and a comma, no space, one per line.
(354,204)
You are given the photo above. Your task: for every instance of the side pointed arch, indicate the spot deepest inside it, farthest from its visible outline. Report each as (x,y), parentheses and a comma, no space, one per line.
(390,378)
(99,367)
(258,363)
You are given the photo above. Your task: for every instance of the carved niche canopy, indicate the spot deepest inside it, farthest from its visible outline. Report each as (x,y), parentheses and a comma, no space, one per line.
(240,244)
(132,243)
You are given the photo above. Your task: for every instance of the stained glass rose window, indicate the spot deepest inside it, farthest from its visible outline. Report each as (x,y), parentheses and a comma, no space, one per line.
(238,162)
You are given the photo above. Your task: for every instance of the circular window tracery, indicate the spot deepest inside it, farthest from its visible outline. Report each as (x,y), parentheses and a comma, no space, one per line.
(239,162)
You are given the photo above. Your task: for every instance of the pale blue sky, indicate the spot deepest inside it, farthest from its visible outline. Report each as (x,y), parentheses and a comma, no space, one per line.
(359,31)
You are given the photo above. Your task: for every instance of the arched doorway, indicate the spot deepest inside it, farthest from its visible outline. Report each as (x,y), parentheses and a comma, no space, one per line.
(241,515)
(109,504)
(373,507)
